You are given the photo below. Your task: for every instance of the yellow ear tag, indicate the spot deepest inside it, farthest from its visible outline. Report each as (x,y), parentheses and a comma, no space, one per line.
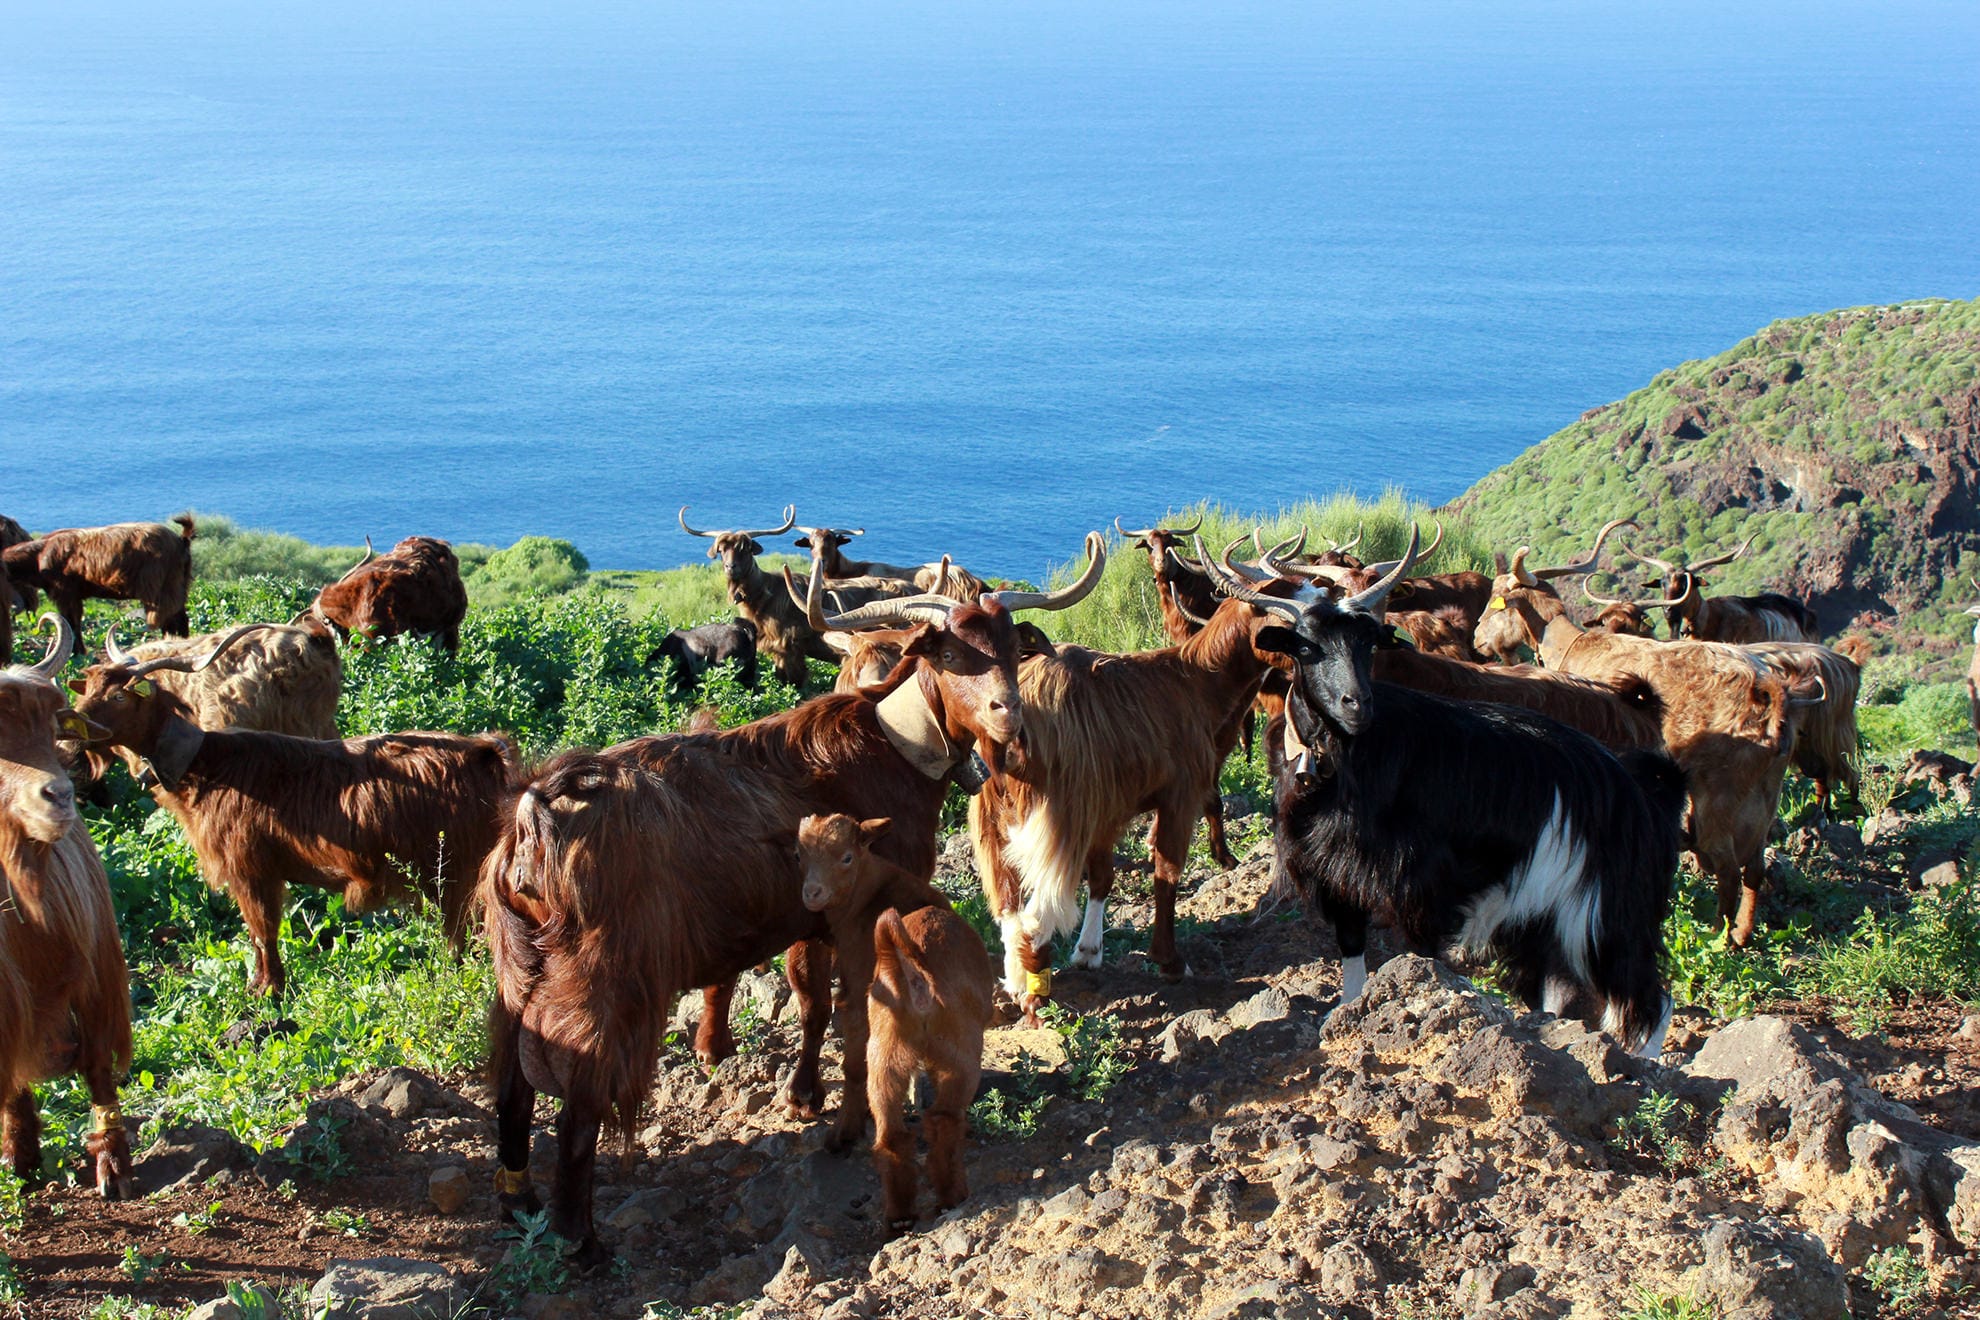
(73,724)
(1496,603)
(1039,984)
(142,686)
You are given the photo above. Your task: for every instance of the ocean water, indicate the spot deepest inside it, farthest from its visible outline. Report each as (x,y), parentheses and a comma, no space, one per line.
(977,276)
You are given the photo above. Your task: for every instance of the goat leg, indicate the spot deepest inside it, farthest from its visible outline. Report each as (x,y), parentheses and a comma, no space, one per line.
(855,978)
(515,1109)
(1172,831)
(261,911)
(577,1160)
(108,1145)
(21,1142)
(808,968)
(943,1124)
(893,1146)
(713,1041)
(1213,820)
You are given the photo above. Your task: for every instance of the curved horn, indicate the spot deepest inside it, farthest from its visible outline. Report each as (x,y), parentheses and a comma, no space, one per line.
(900,612)
(188,665)
(1587,563)
(1134,535)
(1716,560)
(1640,604)
(1232,585)
(682,516)
(1387,564)
(59,649)
(1065,597)
(1520,573)
(363,559)
(1821,694)
(1343,548)
(117,654)
(1183,610)
(1664,566)
(1186,563)
(1240,572)
(1329,573)
(1374,600)
(790,521)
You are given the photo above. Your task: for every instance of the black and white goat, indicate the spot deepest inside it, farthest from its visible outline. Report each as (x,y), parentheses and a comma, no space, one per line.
(1486,827)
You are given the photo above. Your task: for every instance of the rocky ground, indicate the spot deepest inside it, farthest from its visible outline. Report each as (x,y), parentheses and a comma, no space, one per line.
(1425,1152)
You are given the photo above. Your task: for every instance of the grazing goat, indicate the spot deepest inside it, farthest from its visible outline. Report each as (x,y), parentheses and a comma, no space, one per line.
(1622,616)
(695,650)
(416,588)
(146,562)
(1108,737)
(928,1001)
(1728,719)
(369,817)
(12,597)
(1631,717)
(934,578)
(65,1003)
(1826,746)
(1768,617)
(624,878)
(281,678)
(1542,848)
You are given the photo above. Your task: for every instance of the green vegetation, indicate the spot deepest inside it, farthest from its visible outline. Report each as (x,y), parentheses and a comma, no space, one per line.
(1649,1304)
(1096,1059)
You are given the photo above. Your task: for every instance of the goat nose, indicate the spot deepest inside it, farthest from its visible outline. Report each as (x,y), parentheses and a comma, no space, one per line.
(61,795)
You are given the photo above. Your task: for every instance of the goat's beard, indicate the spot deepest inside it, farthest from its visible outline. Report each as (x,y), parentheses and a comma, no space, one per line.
(1002,758)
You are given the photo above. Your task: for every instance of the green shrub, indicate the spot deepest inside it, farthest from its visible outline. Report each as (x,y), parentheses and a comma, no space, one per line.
(1931,715)
(533,566)
(222,551)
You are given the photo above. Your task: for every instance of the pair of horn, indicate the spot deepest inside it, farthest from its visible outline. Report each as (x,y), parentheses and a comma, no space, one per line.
(790,521)
(185,664)
(1533,577)
(1140,533)
(1372,601)
(1280,564)
(1670,570)
(930,607)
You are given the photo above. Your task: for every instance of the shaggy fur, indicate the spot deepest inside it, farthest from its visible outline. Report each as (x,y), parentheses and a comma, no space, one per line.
(1617,718)
(958,584)
(1626,618)
(1768,617)
(1726,720)
(279,679)
(1444,631)
(146,562)
(1109,737)
(415,588)
(65,1003)
(371,817)
(624,878)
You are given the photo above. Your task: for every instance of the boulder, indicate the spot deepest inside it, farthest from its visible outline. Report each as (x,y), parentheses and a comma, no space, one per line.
(1764,1270)
(448,1188)
(385,1288)
(187,1156)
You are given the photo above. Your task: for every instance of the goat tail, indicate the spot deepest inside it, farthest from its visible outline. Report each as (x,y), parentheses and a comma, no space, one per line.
(186,529)
(897,967)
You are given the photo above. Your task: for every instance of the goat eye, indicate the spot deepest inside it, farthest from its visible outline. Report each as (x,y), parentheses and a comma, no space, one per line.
(948,657)
(847,860)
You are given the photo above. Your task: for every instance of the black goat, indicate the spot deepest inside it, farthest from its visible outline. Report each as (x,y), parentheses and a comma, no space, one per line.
(1476,825)
(694,650)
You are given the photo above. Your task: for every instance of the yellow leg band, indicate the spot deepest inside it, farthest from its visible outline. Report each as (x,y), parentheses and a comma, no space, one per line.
(107,1118)
(1039,984)
(511,1182)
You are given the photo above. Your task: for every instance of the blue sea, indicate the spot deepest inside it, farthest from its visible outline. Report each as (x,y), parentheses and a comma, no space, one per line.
(979,276)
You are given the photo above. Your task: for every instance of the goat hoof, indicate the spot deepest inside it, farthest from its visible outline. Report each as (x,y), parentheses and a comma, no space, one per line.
(1085,957)
(591,1254)
(514,1205)
(1226,859)
(900,1227)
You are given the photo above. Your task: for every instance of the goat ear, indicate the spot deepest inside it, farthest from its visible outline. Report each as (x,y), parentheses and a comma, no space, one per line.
(803,543)
(755,546)
(78,686)
(1277,638)
(872,831)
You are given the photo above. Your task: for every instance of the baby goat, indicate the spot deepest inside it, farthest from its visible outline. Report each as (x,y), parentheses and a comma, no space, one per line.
(927,1005)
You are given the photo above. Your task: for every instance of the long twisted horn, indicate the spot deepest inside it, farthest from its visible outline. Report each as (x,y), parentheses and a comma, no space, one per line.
(178,663)
(1716,560)
(790,521)
(1333,574)
(1520,573)
(1388,564)
(59,649)
(1065,597)
(363,559)
(1665,566)
(1240,572)
(1140,532)
(1230,584)
(1589,561)
(1376,599)
(899,612)
(1343,548)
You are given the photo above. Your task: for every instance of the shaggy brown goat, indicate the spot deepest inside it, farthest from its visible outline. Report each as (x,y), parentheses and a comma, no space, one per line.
(933,578)
(1108,737)
(624,878)
(1768,617)
(1728,720)
(281,678)
(416,588)
(1618,719)
(65,1001)
(371,817)
(1826,746)
(12,597)
(927,998)
(146,562)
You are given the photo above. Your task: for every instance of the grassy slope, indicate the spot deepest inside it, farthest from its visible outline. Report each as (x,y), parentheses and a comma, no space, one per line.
(1819,436)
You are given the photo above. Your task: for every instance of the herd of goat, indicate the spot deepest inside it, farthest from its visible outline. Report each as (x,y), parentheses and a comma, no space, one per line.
(1424,779)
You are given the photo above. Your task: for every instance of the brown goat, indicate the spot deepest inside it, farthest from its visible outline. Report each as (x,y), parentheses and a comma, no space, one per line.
(146,562)
(65,1002)
(415,588)
(281,678)
(1108,737)
(624,878)
(1728,720)
(1826,746)
(1618,719)
(12,597)
(370,817)
(932,578)
(927,999)
(1624,617)
(1444,631)
(1768,617)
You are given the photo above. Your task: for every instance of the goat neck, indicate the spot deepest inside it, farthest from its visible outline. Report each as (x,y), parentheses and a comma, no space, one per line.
(908,717)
